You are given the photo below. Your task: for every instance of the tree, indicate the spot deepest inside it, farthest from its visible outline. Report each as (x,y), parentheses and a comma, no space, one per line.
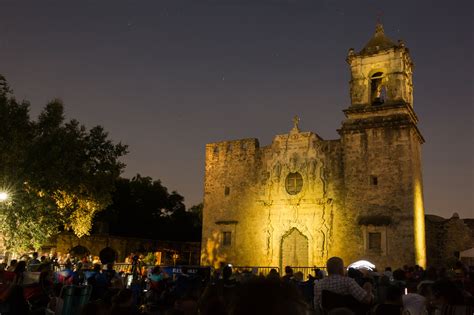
(195,226)
(58,173)
(143,207)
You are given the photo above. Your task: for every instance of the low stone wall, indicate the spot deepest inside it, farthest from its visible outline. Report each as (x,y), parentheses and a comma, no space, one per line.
(189,252)
(445,238)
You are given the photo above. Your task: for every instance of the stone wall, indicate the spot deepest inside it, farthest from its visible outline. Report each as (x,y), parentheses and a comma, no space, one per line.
(362,189)
(245,194)
(382,168)
(189,252)
(445,238)
(397,67)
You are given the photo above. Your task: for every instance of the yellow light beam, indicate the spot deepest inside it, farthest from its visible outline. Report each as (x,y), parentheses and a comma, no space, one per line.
(419,226)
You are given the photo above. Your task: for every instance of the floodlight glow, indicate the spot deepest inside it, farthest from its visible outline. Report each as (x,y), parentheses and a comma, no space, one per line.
(362,264)
(3,196)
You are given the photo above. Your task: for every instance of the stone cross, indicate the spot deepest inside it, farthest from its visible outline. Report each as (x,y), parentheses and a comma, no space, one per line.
(296,121)
(379,17)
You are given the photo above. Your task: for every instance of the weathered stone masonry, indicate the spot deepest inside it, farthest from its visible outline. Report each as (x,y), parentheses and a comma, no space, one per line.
(303,199)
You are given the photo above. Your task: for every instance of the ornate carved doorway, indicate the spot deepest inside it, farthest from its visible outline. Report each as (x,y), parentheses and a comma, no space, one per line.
(294,249)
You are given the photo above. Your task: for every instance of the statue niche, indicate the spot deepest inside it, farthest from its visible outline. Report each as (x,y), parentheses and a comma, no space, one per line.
(276,172)
(293,163)
(312,169)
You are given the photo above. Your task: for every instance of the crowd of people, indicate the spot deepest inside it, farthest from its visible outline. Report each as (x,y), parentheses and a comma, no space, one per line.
(39,286)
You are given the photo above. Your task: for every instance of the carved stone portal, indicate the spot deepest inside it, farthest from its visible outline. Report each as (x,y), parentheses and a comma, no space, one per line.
(294,249)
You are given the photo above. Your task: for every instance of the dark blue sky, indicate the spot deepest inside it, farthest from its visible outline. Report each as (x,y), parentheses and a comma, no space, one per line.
(167,77)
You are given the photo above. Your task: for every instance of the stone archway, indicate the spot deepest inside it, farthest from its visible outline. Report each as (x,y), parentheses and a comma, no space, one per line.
(294,249)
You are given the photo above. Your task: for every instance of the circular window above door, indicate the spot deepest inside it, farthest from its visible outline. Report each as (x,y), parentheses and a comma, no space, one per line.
(293,183)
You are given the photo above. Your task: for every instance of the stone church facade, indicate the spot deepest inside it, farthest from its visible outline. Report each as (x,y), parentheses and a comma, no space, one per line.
(303,199)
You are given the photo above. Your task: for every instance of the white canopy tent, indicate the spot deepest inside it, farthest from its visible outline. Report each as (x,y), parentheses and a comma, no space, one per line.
(468,253)
(467,256)
(362,264)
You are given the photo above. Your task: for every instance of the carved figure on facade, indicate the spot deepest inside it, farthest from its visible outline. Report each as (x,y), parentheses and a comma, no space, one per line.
(319,244)
(312,164)
(276,172)
(293,163)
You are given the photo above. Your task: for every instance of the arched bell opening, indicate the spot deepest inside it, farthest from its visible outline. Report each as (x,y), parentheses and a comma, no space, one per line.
(378,90)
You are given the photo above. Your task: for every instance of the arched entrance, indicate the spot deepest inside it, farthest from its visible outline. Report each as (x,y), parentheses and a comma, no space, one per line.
(294,249)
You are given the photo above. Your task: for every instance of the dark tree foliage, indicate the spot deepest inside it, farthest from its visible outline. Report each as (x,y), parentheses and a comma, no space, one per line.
(144,208)
(57,173)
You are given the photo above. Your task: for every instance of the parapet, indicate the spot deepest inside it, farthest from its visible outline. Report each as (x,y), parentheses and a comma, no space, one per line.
(224,150)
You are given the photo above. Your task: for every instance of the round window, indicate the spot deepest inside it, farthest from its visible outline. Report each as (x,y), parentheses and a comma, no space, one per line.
(294,183)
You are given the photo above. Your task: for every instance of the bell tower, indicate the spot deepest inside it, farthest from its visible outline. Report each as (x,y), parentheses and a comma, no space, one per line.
(381,73)
(382,153)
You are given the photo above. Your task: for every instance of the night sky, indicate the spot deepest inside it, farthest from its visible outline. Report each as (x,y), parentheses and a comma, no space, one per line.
(167,77)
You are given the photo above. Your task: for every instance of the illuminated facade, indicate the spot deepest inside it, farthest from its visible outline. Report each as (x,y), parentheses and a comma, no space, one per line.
(303,199)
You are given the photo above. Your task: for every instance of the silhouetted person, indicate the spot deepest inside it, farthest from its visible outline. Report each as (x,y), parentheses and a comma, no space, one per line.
(16,301)
(263,296)
(447,293)
(98,281)
(339,285)
(227,285)
(288,274)
(12,266)
(110,273)
(273,275)
(34,262)
(356,275)
(95,308)
(393,304)
(122,303)
(19,270)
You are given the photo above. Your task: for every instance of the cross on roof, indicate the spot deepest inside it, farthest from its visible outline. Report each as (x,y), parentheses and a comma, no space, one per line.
(296,121)
(379,17)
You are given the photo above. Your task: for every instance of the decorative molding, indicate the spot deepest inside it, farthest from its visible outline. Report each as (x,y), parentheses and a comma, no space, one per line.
(229,222)
(375,220)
